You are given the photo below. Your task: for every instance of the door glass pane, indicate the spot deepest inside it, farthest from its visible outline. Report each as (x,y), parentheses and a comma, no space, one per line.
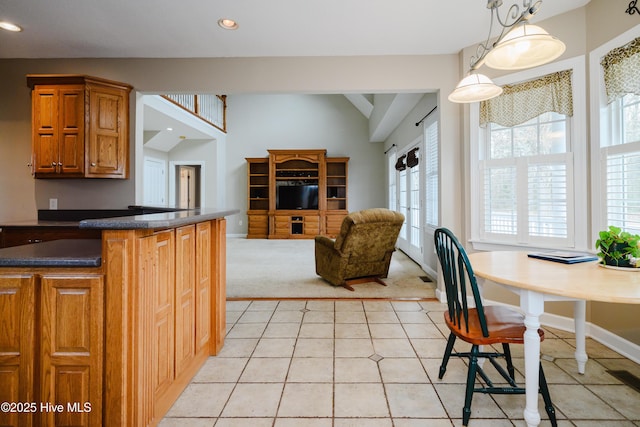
(403,202)
(415,206)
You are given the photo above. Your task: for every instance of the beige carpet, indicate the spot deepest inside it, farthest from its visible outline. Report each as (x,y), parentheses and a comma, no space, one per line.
(261,268)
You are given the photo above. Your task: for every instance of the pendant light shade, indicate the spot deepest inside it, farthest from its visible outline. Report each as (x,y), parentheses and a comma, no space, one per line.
(525,46)
(474,88)
(518,46)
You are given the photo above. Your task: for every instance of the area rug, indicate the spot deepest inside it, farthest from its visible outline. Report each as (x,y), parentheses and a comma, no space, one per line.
(262,268)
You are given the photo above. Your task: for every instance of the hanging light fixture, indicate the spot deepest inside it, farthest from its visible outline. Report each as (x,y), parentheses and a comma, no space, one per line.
(474,88)
(525,46)
(519,45)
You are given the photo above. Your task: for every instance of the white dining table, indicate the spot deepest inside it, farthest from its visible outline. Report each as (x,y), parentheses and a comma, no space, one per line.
(537,281)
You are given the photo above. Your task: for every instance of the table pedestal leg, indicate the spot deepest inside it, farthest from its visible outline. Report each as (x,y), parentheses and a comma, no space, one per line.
(532,304)
(579,315)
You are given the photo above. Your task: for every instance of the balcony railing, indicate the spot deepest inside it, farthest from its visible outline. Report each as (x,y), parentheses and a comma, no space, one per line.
(210,108)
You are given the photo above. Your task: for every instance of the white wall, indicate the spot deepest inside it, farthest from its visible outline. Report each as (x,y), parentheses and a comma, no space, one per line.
(234,77)
(257,123)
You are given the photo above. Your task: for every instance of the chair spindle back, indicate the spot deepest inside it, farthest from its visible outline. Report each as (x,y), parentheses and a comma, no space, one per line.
(459,280)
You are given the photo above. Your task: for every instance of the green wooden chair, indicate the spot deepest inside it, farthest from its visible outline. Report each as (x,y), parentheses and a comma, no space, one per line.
(468,319)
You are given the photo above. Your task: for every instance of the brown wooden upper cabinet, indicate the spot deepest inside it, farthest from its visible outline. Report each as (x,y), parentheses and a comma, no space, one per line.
(80,126)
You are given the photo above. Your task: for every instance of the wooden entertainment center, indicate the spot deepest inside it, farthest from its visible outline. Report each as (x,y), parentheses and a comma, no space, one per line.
(315,200)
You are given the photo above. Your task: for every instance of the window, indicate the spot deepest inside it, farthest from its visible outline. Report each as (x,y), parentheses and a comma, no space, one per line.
(530,162)
(526,181)
(431,173)
(616,133)
(621,165)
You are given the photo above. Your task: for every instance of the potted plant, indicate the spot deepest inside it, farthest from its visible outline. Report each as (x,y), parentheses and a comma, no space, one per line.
(618,248)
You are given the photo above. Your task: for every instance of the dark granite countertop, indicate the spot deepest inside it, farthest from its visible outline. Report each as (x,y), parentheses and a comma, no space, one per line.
(56,253)
(157,220)
(39,223)
(134,217)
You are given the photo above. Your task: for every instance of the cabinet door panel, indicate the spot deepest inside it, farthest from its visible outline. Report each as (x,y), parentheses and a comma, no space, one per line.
(45,154)
(107,135)
(163,316)
(185,296)
(72,348)
(45,130)
(17,320)
(203,285)
(311,225)
(71,150)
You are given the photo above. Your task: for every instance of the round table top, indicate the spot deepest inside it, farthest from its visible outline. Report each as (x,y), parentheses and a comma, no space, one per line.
(588,280)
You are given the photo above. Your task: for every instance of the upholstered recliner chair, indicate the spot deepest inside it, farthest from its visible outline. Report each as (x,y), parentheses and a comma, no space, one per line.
(362,251)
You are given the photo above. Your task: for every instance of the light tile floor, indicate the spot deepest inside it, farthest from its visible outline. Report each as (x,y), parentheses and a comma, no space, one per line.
(375,364)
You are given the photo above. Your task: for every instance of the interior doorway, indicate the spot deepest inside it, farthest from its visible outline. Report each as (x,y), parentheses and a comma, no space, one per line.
(155,182)
(187,184)
(188,187)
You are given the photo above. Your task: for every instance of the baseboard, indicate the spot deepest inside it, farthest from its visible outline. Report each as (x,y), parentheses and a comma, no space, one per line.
(607,338)
(616,343)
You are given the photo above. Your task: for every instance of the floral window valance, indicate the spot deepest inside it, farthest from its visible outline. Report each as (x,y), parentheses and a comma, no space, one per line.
(522,102)
(621,69)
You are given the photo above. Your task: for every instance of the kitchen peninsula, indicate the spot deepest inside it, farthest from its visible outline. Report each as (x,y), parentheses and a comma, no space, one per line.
(111,329)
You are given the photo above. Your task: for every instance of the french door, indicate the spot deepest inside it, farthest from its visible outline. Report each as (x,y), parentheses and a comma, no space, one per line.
(409,182)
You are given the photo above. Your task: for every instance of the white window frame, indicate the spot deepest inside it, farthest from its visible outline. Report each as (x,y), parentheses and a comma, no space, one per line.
(431,201)
(577,136)
(600,127)
(392,180)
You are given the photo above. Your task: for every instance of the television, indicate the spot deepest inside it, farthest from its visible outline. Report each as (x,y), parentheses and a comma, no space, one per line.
(297,196)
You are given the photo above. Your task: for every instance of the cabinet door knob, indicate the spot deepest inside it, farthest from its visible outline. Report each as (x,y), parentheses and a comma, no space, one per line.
(53,164)
(93,164)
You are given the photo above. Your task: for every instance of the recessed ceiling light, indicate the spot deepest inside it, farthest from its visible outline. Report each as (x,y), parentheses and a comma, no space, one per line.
(228,24)
(10,27)
(169,128)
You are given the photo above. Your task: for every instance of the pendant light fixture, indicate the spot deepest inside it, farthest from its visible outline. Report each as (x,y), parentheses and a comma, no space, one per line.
(519,45)
(475,87)
(525,46)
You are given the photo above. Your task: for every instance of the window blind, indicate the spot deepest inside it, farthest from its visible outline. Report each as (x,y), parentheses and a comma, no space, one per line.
(431,172)
(548,195)
(500,207)
(623,189)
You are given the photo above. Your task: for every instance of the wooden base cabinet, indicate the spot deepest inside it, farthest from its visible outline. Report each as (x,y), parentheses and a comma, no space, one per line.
(71,349)
(17,345)
(174,283)
(295,225)
(51,348)
(115,345)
